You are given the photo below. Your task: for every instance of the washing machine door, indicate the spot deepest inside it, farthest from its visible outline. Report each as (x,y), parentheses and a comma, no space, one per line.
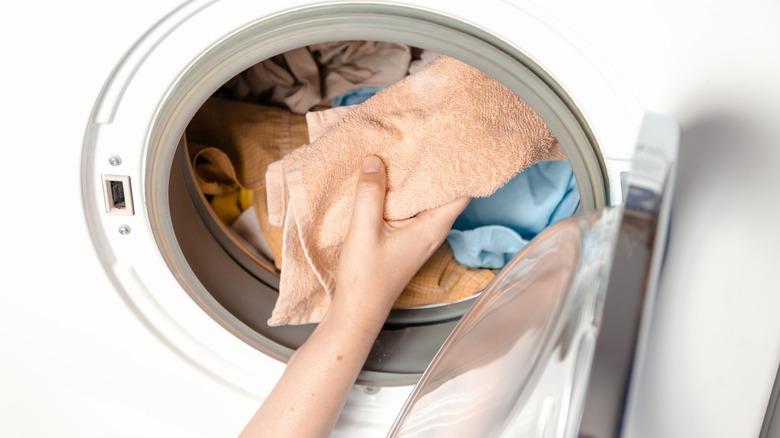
(549,348)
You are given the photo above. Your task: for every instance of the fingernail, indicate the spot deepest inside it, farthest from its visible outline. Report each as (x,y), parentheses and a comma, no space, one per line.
(371,164)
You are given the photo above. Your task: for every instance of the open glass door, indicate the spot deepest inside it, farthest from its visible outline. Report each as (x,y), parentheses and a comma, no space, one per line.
(549,348)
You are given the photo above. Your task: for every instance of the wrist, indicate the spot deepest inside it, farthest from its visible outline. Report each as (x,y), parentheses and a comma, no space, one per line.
(366,317)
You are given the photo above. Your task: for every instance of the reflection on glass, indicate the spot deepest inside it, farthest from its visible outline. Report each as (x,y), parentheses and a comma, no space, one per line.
(518,361)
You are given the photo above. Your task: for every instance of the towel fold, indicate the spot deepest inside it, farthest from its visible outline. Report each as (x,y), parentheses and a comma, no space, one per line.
(436,145)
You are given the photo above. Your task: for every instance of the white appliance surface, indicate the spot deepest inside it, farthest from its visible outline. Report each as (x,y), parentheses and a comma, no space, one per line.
(75,360)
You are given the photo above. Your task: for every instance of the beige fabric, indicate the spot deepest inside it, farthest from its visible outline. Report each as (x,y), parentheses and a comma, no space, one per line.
(445,132)
(232,143)
(443,280)
(303,78)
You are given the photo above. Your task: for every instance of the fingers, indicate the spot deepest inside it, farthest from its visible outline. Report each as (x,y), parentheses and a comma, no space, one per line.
(370,196)
(446,214)
(424,233)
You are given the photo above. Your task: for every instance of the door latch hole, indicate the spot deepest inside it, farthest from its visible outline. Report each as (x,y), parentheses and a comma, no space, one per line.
(118,195)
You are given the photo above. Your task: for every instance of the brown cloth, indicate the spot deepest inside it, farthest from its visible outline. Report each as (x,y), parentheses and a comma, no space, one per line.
(443,280)
(232,143)
(445,132)
(309,76)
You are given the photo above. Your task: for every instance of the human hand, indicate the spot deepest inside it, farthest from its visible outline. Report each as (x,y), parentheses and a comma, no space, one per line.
(378,257)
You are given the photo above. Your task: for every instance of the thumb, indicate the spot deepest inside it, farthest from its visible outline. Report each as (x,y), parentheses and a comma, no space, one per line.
(437,221)
(368,212)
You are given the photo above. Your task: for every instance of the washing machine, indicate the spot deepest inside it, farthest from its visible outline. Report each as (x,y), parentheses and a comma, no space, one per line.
(147,319)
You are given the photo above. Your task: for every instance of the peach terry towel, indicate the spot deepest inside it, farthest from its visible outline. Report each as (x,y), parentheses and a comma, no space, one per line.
(441,279)
(447,131)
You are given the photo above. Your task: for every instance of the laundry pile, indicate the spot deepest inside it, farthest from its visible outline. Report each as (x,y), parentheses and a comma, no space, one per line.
(284,182)
(310,76)
(231,145)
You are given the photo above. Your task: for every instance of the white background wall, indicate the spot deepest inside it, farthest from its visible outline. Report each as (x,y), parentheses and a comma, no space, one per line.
(715,66)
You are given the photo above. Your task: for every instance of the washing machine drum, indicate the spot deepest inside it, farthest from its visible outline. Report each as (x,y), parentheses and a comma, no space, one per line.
(245,283)
(182,269)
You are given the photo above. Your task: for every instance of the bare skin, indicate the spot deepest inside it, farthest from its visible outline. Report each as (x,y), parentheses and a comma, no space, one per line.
(377,260)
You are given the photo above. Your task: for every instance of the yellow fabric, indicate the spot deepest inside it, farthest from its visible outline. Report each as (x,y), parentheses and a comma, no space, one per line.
(230,206)
(245,199)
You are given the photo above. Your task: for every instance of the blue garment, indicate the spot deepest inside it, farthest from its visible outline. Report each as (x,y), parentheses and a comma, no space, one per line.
(491,246)
(356,96)
(491,230)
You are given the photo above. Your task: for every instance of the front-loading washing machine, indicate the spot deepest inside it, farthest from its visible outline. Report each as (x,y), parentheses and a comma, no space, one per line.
(170,305)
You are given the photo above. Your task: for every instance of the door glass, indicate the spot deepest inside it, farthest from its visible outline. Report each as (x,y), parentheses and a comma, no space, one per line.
(549,348)
(515,360)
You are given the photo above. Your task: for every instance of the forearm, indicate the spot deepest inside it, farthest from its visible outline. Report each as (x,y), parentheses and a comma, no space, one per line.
(308,398)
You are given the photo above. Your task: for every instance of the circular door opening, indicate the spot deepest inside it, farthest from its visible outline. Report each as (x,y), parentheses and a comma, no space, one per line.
(215,269)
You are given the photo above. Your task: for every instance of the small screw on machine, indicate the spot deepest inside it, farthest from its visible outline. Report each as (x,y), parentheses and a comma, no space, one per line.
(124,230)
(114,160)
(370,389)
